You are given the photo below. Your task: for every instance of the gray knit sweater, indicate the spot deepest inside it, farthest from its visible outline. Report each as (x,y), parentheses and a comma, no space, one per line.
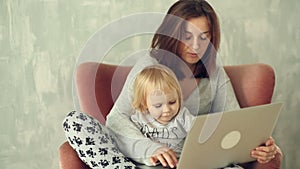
(212,95)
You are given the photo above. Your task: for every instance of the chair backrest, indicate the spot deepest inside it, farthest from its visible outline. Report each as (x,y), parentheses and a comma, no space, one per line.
(99,84)
(253,83)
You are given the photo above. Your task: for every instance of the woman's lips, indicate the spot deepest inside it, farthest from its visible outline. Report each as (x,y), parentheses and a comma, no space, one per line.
(193,54)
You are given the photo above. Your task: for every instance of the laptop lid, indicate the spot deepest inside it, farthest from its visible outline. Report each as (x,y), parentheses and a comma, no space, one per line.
(237,133)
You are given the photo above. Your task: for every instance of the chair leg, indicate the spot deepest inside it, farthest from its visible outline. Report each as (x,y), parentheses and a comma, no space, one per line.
(68,158)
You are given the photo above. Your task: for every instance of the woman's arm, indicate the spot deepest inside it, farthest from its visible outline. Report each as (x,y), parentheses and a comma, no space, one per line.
(224,100)
(224,96)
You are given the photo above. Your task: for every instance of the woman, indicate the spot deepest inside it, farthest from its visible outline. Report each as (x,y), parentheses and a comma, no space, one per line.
(190,32)
(187,42)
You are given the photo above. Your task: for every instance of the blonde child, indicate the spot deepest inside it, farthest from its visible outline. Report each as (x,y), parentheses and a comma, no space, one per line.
(158,112)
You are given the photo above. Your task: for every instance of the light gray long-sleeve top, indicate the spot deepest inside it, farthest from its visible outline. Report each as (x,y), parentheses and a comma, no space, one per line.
(212,95)
(172,134)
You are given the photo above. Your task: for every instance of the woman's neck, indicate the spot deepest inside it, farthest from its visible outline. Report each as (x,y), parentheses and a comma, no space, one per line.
(188,70)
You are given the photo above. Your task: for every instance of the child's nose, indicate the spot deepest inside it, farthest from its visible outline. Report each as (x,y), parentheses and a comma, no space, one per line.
(166,108)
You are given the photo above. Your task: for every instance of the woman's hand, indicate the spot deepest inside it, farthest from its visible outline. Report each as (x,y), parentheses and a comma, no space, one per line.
(265,153)
(166,156)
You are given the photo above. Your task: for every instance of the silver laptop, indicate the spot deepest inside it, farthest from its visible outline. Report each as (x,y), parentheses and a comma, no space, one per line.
(228,137)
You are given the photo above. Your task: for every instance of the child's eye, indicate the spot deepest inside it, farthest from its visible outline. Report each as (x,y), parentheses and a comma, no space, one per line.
(157,105)
(172,102)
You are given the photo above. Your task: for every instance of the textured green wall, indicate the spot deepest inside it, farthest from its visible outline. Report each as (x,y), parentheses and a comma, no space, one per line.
(268,32)
(40,41)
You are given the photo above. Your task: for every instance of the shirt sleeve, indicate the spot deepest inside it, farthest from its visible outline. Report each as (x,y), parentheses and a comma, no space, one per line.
(131,142)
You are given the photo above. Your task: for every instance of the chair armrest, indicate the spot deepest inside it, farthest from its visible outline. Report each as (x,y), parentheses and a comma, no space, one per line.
(68,158)
(273,164)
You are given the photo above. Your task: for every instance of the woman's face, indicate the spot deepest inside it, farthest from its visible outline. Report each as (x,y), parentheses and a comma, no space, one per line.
(163,106)
(195,40)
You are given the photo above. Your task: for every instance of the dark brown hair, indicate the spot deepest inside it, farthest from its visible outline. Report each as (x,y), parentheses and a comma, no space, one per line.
(168,35)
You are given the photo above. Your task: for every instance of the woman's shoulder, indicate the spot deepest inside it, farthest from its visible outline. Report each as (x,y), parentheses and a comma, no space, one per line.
(143,61)
(219,74)
(146,60)
(219,69)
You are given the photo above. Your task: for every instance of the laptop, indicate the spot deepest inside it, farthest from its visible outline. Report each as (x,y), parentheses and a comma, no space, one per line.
(228,137)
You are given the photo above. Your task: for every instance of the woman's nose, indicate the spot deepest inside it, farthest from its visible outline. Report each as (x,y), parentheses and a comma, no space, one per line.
(195,44)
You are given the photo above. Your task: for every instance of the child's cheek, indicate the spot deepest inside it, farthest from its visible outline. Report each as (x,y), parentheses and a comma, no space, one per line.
(155,112)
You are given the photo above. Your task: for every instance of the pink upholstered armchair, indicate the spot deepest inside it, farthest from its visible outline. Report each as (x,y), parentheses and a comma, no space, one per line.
(253,85)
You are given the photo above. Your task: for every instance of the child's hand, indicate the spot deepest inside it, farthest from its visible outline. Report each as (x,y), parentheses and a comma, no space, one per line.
(266,153)
(166,156)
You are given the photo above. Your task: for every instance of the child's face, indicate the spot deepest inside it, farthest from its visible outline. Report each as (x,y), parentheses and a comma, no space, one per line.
(163,106)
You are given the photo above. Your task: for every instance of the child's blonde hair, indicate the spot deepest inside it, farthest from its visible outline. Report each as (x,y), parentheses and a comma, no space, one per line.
(155,77)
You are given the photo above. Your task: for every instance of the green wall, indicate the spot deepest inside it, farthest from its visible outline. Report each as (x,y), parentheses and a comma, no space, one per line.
(40,41)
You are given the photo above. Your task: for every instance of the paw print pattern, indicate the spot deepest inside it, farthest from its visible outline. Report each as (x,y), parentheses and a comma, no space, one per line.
(115,150)
(66,126)
(103,140)
(92,121)
(93,142)
(77,126)
(104,163)
(82,117)
(89,141)
(77,140)
(91,153)
(70,141)
(116,160)
(103,151)
(107,135)
(91,130)
(94,164)
(81,153)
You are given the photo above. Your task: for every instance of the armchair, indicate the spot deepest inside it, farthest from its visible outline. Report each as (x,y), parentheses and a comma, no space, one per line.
(253,85)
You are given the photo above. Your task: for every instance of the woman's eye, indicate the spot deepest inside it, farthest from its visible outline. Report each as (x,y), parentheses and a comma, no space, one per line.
(188,38)
(203,36)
